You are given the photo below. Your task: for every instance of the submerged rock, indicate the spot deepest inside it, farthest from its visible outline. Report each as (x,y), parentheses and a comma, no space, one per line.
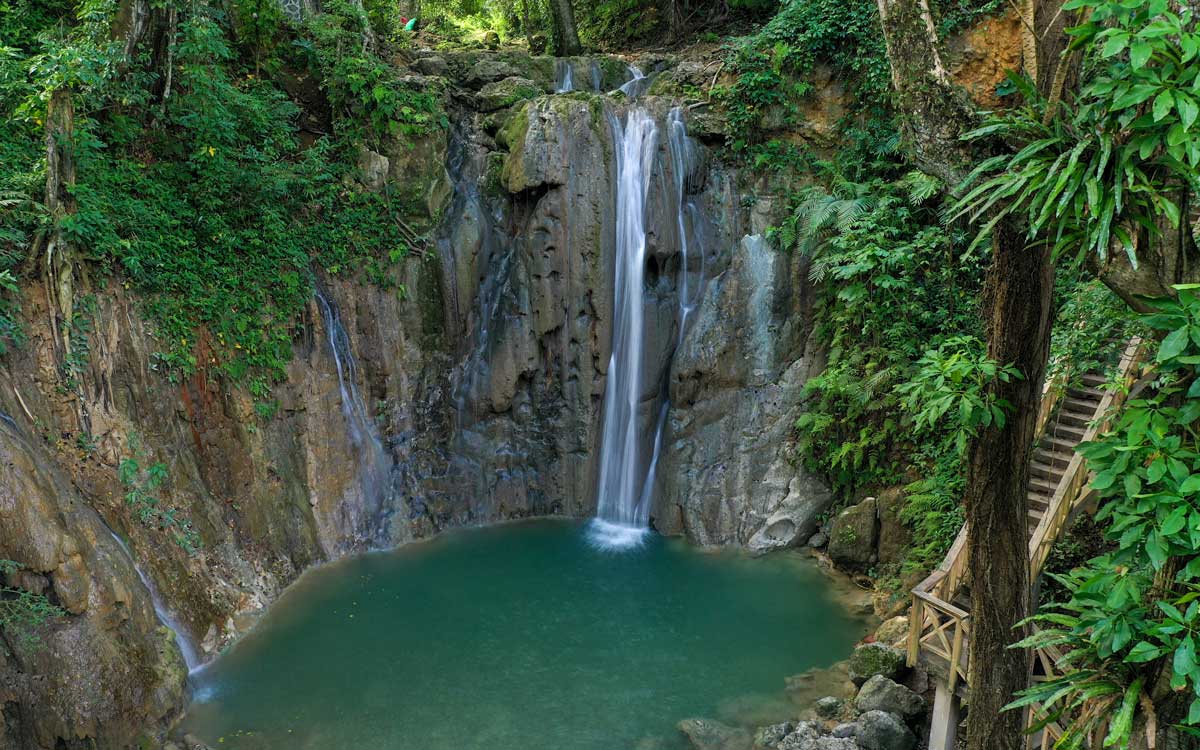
(829,707)
(769,737)
(707,734)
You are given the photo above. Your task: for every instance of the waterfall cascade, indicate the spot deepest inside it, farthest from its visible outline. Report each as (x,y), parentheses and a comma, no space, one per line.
(564,73)
(627,463)
(373,464)
(191,657)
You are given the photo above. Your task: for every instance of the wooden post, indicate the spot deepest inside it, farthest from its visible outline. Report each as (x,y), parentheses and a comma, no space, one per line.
(955,653)
(915,622)
(943,732)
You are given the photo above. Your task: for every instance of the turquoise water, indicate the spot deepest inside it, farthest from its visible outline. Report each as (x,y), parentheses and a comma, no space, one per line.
(520,637)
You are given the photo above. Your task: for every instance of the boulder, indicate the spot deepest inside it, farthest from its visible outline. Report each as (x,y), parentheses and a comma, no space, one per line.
(489,69)
(491,40)
(872,659)
(881,694)
(848,729)
(829,707)
(706,734)
(433,65)
(879,730)
(537,44)
(818,540)
(894,535)
(507,92)
(893,631)
(803,737)
(852,535)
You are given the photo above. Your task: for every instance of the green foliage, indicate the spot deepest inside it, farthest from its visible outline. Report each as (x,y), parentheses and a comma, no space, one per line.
(141,485)
(1090,318)
(1133,612)
(207,202)
(951,385)
(933,508)
(890,285)
(24,613)
(1108,164)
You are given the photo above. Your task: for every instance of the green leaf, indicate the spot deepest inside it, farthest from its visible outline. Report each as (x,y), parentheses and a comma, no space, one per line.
(1173,344)
(1162,107)
(1143,651)
(1139,53)
(1188,109)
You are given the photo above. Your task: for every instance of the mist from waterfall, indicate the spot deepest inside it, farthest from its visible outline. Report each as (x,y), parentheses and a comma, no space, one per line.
(373,464)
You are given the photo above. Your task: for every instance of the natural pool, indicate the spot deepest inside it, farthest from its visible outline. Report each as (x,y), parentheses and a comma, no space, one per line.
(520,637)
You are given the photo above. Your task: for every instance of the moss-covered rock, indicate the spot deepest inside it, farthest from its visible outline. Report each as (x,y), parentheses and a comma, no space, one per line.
(507,92)
(872,659)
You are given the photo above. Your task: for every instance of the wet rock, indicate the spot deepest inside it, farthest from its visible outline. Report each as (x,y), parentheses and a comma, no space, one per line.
(842,731)
(507,92)
(872,659)
(706,734)
(878,730)
(728,476)
(828,707)
(882,694)
(852,535)
(818,540)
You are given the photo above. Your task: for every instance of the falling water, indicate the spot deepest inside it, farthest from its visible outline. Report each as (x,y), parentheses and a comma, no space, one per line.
(637,83)
(621,517)
(191,657)
(564,73)
(373,463)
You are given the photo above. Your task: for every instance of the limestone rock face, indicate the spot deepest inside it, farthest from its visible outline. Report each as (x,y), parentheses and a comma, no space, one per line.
(853,534)
(736,383)
(894,535)
(506,92)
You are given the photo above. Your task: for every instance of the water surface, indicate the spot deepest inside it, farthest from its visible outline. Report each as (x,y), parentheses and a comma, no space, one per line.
(520,637)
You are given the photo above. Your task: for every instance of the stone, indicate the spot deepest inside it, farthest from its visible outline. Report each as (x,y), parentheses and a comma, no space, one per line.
(803,737)
(847,729)
(537,43)
(893,632)
(491,40)
(769,737)
(707,734)
(433,65)
(818,540)
(488,69)
(872,659)
(894,534)
(879,730)
(794,521)
(507,92)
(372,169)
(852,535)
(882,694)
(828,707)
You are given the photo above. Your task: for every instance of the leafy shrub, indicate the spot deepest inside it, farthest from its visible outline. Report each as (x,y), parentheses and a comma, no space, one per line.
(22,612)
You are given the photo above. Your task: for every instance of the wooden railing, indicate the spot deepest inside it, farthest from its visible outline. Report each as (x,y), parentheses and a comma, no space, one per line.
(1069,492)
(940,629)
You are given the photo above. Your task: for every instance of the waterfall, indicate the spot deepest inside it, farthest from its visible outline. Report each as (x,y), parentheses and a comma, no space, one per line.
(564,73)
(637,83)
(191,657)
(373,464)
(621,516)
(626,474)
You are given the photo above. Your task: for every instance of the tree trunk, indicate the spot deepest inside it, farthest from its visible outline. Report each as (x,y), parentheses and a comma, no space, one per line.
(1018,303)
(566,38)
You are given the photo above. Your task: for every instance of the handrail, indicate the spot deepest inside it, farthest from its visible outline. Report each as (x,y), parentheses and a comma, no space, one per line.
(1070,487)
(941,628)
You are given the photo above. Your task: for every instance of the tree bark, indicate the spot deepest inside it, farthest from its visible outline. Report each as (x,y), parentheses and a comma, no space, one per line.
(1018,304)
(566,37)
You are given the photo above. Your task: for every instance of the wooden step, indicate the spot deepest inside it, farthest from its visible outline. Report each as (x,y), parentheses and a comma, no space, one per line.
(1037,501)
(1041,487)
(1045,471)
(1093,379)
(1072,417)
(1058,444)
(1086,393)
(1057,459)
(1066,431)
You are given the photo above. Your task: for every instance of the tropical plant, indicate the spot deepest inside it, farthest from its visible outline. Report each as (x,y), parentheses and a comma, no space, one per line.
(1133,614)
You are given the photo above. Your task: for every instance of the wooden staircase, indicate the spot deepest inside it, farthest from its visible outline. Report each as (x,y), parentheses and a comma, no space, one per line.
(940,619)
